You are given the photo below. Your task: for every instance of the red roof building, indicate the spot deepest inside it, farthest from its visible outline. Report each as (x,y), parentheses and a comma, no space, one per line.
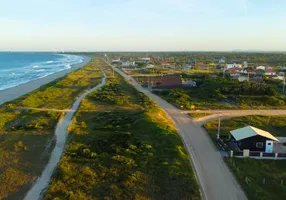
(171,81)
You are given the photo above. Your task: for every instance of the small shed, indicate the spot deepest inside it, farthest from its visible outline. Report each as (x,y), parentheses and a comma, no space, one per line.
(253,139)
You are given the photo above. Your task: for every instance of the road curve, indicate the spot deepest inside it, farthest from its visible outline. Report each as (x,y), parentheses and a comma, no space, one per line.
(215,179)
(36,192)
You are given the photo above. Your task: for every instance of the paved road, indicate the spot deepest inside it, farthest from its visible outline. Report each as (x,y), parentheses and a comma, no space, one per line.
(215,179)
(216,114)
(36,192)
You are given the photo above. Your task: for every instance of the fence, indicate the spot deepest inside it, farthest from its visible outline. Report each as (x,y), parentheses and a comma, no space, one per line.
(259,155)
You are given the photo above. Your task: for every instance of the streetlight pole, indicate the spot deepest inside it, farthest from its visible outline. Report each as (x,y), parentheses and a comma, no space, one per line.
(218,129)
(283,82)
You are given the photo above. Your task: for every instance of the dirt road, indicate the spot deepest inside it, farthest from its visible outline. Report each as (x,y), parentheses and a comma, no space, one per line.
(36,192)
(215,179)
(222,114)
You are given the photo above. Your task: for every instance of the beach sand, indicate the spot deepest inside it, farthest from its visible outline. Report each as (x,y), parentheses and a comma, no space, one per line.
(20,90)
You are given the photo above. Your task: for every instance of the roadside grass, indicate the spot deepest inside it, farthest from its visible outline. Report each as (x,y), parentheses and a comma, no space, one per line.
(198,114)
(276,125)
(27,136)
(260,179)
(251,173)
(122,146)
(223,93)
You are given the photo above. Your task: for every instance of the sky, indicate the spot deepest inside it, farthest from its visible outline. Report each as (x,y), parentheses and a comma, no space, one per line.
(142,25)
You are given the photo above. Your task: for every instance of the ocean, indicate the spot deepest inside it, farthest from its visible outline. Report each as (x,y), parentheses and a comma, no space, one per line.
(19,68)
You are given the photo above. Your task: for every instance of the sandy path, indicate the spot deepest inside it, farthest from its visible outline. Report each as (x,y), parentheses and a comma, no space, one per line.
(215,179)
(20,90)
(37,191)
(224,114)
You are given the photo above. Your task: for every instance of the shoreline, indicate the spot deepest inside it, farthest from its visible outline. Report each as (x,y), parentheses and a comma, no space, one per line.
(20,90)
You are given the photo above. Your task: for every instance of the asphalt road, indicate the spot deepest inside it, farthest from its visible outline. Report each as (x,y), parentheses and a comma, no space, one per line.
(215,179)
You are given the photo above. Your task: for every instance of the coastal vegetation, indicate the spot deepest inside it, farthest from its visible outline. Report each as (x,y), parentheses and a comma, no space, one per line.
(261,179)
(224,93)
(122,146)
(27,135)
(276,125)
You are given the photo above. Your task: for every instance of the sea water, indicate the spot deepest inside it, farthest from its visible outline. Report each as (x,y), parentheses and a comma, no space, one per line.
(19,68)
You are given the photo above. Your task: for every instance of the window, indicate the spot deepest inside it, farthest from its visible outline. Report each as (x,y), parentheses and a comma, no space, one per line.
(259,144)
(268,143)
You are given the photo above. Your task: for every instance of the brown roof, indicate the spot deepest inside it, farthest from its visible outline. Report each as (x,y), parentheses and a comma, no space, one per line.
(234,69)
(171,81)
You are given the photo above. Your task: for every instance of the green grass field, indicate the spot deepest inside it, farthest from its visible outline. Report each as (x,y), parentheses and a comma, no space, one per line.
(276,125)
(27,136)
(260,179)
(264,177)
(123,148)
(224,93)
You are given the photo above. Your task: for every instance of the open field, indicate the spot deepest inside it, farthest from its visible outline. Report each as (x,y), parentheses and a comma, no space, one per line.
(276,125)
(265,178)
(224,93)
(27,136)
(123,146)
(261,179)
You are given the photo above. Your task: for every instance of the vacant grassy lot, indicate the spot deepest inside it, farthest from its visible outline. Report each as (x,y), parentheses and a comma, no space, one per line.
(261,179)
(264,177)
(122,146)
(224,93)
(26,136)
(274,124)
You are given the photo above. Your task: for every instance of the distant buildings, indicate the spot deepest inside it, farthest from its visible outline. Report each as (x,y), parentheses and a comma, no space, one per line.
(128,64)
(245,64)
(264,67)
(171,81)
(145,59)
(221,61)
(270,72)
(229,66)
(187,67)
(164,63)
(202,66)
(234,71)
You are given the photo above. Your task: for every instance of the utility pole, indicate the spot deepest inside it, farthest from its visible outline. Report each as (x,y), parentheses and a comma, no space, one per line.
(283,82)
(218,129)
(148,82)
(224,71)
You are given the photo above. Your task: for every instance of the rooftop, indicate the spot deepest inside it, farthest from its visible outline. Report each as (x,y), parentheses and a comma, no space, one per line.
(250,131)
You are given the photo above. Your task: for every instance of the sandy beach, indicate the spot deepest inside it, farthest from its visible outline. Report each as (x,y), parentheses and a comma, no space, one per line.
(20,90)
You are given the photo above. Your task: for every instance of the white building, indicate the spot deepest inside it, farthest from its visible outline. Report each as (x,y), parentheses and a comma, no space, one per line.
(270,72)
(264,67)
(128,64)
(221,61)
(229,66)
(187,67)
(145,59)
(116,60)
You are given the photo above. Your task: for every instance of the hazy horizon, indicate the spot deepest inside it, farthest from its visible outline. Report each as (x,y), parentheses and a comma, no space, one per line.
(170,25)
